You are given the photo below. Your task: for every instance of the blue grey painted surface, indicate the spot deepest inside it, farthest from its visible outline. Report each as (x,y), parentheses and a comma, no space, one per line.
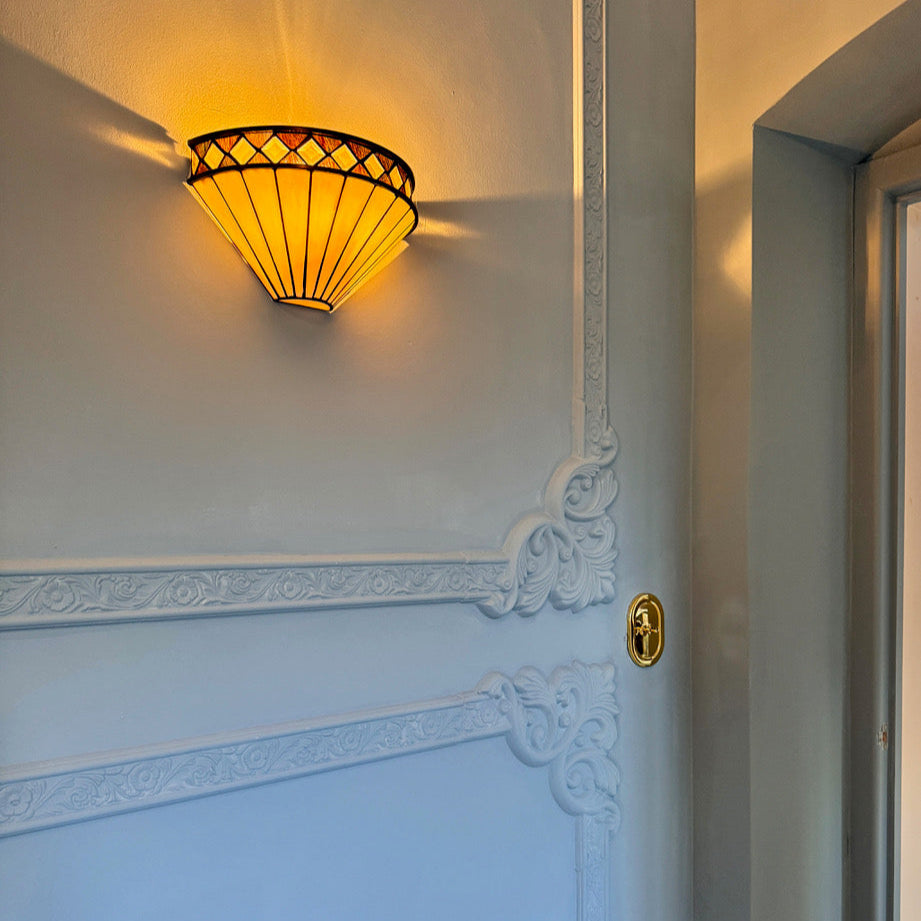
(462,833)
(799,488)
(650,145)
(399,839)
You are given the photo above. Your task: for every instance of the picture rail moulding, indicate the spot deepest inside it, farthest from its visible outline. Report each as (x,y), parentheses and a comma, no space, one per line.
(565,722)
(561,553)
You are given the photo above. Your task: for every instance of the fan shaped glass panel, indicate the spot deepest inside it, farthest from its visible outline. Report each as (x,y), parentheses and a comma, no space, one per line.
(314,213)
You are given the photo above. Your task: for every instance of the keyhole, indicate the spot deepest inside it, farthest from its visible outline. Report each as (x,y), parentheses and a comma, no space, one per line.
(646,629)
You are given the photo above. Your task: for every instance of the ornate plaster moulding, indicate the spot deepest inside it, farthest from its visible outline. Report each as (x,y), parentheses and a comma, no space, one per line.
(565,722)
(562,553)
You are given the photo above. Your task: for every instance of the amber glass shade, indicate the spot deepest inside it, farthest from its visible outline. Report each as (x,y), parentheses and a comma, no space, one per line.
(314,213)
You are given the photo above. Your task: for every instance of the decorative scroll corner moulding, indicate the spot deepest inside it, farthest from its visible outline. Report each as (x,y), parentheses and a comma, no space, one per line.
(562,554)
(565,722)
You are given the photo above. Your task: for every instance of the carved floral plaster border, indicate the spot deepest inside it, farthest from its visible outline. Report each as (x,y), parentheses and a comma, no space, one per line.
(565,722)
(562,554)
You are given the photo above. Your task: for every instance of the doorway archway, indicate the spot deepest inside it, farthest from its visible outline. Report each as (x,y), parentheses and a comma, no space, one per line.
(817,563)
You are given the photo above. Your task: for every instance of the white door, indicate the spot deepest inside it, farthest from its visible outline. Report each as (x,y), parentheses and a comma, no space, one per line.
(384,557)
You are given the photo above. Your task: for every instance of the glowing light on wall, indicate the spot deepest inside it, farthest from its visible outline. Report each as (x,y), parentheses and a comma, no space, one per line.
(314,213)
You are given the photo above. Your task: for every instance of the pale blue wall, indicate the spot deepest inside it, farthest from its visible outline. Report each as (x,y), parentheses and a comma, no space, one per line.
(462,833)
(467,832)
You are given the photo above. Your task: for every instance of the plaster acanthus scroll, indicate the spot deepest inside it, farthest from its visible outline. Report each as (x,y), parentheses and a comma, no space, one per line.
(564,554)
(566,721)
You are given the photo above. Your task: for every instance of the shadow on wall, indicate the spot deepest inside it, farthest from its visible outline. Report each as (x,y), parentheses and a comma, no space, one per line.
(720,586)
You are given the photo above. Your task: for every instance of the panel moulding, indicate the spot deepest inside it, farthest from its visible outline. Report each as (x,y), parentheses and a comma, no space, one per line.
(562,554)
(565,722)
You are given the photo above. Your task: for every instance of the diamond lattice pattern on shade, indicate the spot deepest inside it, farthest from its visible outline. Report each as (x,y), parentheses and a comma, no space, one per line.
(313,213)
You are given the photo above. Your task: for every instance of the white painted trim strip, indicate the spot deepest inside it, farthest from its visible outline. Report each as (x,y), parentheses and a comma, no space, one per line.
(56,596)
(565,721)
(44,794)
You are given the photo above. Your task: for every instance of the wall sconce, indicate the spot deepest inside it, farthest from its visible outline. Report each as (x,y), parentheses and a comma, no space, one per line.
(314,213)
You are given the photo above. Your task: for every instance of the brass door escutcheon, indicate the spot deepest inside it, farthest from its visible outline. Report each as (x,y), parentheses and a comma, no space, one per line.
(645,629)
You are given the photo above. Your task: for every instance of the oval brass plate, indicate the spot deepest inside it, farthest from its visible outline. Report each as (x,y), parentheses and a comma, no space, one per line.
(645,630)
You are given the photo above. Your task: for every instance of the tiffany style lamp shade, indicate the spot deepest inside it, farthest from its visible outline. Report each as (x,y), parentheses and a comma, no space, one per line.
(314,213)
